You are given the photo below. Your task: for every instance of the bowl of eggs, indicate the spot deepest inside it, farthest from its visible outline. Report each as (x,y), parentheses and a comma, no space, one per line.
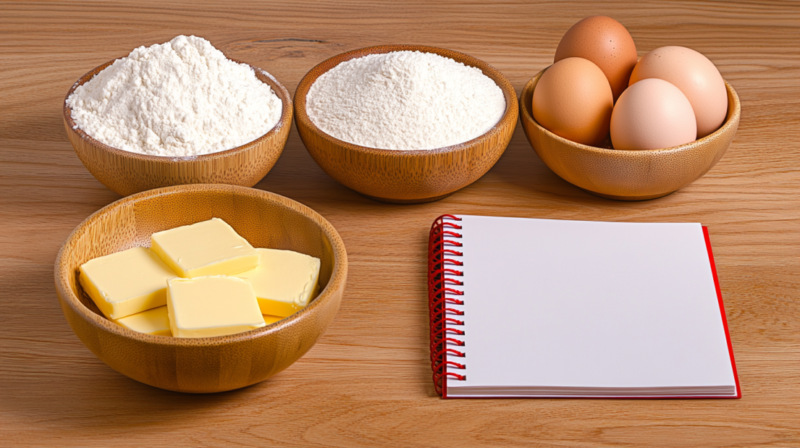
(405,123)
(144,286)
(626,128)
(177,113)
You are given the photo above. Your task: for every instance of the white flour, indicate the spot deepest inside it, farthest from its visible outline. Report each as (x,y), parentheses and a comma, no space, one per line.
(180,98)
(405,100)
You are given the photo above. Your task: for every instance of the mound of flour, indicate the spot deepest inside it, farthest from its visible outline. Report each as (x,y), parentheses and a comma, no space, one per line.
(180,98)
(405,100)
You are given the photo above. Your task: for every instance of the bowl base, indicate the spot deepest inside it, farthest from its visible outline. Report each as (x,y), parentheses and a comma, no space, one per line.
(627,198)
(406,201)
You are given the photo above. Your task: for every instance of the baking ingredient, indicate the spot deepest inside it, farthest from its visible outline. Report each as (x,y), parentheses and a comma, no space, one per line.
(206,248)
(695,75)
(405,100)
(212,306)
(284,281)
(605,42)
(652,114)
(127,282)
(271,319)
(573,99)
(155,321)
(180,98)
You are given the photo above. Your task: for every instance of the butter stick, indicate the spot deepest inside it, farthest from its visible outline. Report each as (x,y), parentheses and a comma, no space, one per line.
(206,248)
(212,306)
(126,282)
(155,322)
(284,281)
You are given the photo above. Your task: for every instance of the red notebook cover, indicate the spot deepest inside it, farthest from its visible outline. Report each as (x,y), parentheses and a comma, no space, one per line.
(443,276)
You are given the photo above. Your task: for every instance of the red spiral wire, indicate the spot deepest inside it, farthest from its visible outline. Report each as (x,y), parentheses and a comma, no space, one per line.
(440,242)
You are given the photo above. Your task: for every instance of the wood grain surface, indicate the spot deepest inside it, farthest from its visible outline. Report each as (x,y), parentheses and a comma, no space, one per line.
(367,382)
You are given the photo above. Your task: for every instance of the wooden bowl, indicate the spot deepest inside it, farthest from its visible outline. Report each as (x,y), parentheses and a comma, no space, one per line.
(212,364)
(127,172)
(406,176)
(628,175)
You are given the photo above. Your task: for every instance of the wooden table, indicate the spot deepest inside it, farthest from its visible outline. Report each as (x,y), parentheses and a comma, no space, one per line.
(367,382)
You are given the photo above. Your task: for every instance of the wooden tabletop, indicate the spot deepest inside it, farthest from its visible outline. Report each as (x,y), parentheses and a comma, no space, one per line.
(367,382)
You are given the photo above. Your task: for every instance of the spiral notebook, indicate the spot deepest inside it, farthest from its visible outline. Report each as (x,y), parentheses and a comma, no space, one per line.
(552,308)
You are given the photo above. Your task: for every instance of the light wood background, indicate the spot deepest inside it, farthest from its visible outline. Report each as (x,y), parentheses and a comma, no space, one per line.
(367,382)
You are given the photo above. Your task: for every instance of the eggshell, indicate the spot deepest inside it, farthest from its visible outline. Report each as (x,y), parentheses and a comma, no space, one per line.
(573,99)
(652,114)
(696,76)
(605,42)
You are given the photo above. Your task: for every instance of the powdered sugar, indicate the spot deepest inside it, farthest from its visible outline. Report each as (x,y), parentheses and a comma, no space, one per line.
(181,98)
(405,100)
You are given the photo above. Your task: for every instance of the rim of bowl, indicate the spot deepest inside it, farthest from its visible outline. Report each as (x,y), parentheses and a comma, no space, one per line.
(728,123)
(279,90)
(338,274)
(487,69)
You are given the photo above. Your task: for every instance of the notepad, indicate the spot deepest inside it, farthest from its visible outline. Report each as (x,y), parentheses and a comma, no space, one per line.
(553,308)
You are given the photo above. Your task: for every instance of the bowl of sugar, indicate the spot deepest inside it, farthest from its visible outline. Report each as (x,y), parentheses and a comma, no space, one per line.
(405,123)
(177,113)
(197,363)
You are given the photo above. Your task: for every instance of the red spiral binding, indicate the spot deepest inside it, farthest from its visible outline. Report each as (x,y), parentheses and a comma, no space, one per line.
(440,281)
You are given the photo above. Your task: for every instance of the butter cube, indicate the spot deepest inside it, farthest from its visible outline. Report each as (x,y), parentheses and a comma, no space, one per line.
(212,306)
(126,282)
(155,321)
(271,319)
(207,248)
(284,281)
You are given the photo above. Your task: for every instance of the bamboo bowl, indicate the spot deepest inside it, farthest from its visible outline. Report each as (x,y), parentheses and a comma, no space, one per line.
(406,176)
(628,175)
(212,364)
(127,172)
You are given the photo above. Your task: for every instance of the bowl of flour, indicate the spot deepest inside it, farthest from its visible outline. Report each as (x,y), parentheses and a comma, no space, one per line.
(176,113)
(405,123)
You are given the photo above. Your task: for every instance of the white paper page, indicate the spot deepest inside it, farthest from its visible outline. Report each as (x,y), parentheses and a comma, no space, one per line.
(588,304)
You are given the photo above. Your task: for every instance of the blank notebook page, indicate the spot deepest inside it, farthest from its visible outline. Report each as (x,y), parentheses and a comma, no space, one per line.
(590,308)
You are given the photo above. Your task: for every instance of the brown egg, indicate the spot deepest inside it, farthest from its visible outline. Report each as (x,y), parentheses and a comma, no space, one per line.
(605,42)
(652,114)
(573,99)
(696,76)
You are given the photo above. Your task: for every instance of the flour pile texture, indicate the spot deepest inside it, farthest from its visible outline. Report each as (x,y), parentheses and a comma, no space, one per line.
(405,100)
(180,98)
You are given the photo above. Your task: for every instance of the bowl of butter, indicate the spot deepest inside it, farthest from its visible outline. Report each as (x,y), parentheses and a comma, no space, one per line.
(201,288)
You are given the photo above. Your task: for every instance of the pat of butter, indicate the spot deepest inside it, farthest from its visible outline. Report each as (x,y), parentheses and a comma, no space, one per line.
(126,282)
(284,281)
(207,248)
(155,321)
(212,306)
(271,319)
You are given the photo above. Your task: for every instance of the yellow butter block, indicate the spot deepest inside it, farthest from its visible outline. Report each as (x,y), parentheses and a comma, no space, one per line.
(207,248)
(212,306)
(155,321)
(271,319)
(284,281)
(126,282)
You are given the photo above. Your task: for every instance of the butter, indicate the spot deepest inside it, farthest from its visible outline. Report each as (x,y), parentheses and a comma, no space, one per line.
(212,306)
(207,248)
(271,319)
(284,281)
(155,322)
(126,282)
